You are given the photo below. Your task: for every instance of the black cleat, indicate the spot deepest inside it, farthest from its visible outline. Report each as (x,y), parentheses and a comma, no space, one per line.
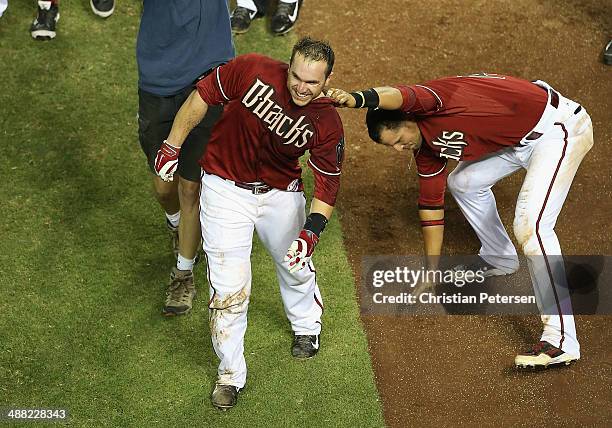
(43,27)
(224,397)
(285,17)
(102,8)
(305,346)
(607,53)
(241,19)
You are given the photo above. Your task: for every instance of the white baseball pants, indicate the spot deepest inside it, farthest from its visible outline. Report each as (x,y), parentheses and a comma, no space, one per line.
(551,162)
(229,215)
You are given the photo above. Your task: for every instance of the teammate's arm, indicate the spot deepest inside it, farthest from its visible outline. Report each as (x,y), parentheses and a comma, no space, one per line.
(432,224)
(188,117)
(384,97)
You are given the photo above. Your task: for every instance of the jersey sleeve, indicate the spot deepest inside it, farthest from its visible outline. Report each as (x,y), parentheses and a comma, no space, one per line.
(326,159)
(227,81)
(419,99)
(432,179)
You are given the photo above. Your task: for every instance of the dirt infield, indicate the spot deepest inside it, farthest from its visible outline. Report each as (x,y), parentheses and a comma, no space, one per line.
(447,371)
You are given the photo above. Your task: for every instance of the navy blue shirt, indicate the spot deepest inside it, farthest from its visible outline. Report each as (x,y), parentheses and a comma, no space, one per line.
(179,40)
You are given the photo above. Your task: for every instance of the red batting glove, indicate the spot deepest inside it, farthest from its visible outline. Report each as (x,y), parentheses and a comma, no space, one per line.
(166,161)
(300,251)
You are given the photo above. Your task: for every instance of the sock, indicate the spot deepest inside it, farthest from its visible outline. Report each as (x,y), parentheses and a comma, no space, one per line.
(174,218)
(184,264)
(289,1)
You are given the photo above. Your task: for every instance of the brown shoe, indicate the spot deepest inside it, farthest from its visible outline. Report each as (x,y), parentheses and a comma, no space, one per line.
(224,396)
(180,293)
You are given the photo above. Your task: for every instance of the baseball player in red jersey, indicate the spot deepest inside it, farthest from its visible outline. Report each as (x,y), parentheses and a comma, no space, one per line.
(493,125)
(252,181)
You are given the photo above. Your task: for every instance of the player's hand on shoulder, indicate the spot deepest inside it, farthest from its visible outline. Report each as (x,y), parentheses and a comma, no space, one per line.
(300,251)
(166,161)
(341,97)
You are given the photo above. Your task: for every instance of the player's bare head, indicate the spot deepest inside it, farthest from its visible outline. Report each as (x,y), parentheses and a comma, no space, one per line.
(393,128)
(315,51)
(309,70)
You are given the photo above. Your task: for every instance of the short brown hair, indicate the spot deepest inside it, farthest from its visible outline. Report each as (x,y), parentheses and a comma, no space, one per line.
(315,50)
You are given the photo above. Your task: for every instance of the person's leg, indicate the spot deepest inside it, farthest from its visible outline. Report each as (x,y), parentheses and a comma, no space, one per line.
(281,219)
(470,184)
(189,172)
(554,161)
(47,15)
(181,290)
(227,215)
(155,115)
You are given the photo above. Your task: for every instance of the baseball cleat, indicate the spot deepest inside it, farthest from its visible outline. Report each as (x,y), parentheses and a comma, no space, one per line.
(285,17)
(607,53)
(180,293)
(43,27)
(305,346)
(224,397)
(241,19)
(543,355)
(487,269)
(102,8)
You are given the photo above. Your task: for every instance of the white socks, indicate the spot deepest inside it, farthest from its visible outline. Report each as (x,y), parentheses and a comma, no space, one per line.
(184,264)
(174,218)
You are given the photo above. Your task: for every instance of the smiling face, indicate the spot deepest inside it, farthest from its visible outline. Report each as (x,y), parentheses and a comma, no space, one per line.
(306,79)
(407,136)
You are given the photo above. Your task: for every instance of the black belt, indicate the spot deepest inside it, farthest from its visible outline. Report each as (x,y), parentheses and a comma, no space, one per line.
(554,101)
(255,188)
(206,73)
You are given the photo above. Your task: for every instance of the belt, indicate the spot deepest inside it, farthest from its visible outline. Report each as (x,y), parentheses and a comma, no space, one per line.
(255,188)
(206,73)
(554,101)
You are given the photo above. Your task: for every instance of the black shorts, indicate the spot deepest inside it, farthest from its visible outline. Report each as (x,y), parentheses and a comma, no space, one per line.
(155,117)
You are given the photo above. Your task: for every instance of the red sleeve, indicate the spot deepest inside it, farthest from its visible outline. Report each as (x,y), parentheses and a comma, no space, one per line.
(419,99)
(326,164)
(432,179)
(227,81)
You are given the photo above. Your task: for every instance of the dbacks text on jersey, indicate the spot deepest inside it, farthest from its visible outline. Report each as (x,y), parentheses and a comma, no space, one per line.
(451,144)
(259,101)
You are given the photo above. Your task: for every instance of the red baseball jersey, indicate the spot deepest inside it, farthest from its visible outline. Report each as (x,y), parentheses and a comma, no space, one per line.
(262,133)
(466,118)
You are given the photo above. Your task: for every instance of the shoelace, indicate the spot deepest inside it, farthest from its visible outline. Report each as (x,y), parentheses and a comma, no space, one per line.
(303,340)
(177,289)
(285,8)
(42,15)
(242,13)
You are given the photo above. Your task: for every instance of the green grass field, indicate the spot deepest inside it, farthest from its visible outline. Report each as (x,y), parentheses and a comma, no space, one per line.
(85,257)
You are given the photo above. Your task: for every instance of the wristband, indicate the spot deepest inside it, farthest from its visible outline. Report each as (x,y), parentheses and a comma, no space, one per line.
(368,98)
(315,222)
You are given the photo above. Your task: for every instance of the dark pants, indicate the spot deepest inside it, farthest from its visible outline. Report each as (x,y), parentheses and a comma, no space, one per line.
(155,117)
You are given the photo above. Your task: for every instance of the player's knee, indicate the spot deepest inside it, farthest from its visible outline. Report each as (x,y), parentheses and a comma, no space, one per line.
(166,195)
(525,233)
(189,192)
(235,302)
(457,182)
